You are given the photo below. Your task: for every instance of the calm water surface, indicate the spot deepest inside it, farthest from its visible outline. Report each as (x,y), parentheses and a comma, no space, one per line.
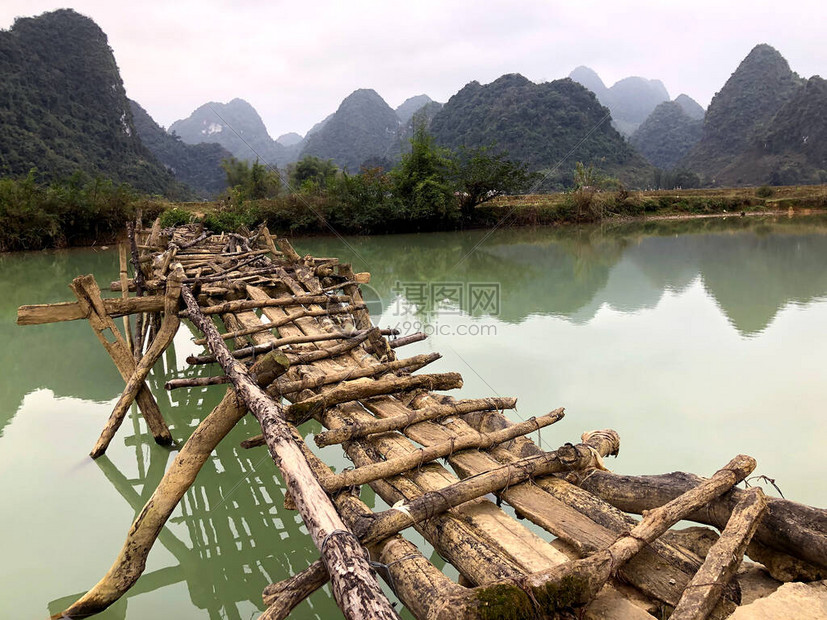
(695,340)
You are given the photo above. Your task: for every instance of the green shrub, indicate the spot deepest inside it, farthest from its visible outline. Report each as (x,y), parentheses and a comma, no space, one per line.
(175,217)
(765,191)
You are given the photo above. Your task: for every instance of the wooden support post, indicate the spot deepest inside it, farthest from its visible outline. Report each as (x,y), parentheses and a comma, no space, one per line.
(123,261)
(89,298)
(164,337)
(395,423)
(357,390)
(354,585)
(268,241)
(722,560)
(575,583)
(137,341)
(391,467)
(287,250)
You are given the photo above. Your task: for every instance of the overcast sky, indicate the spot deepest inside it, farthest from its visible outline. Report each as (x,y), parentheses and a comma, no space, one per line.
(295,61)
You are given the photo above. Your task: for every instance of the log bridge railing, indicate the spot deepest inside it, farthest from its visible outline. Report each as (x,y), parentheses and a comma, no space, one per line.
(317,355)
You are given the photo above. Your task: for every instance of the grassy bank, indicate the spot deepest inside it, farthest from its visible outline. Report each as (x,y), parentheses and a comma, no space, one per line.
(311,214)
(86,211)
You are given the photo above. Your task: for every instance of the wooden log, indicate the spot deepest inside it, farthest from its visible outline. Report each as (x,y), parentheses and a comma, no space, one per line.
(93,306)
(282,597)
(260,349)
(287,249)
(293,300)
(316,355)
(166,333)
(185,245)
(416,581)
(268,241)
(354,586)
(391,467)
(575,583)
(404,340)
(787,527)
(358,390)
(282,321)
(565,458)
(373,528)
(379,345)
(408,365)
(395,423)
(723,559)
(588,524)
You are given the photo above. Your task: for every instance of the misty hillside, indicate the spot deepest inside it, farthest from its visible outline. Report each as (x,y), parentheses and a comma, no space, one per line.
(543,125)
(668,134)
(692,108)
(63,107)
(410,106)
(631,100)
(196,165)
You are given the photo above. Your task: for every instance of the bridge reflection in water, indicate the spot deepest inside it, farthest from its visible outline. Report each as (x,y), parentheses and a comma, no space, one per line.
(235,504)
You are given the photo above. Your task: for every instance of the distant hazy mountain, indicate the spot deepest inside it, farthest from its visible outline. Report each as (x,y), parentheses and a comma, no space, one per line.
(289,139)
(668,134)
(551,125)
(423,116)
(63,107)
(762,98)
(196,165)
(411,105)
(364,127)
(631,100)
(692,108)
(236,126)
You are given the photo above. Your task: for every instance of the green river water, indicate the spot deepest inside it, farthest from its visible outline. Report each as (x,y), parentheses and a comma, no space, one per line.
(695,340)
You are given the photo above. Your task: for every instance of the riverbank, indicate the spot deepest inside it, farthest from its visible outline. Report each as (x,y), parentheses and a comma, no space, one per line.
(320,214)
(316,214)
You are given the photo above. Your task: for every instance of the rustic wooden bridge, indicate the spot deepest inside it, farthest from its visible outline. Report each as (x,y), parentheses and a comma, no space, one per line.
(298,344)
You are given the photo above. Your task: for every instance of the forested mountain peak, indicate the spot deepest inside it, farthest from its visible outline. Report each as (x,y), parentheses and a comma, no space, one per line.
(741,114)
(543,125)
(63,107)
(363,127)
